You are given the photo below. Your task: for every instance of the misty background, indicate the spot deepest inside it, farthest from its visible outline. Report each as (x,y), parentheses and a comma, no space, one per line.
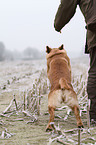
(27,26)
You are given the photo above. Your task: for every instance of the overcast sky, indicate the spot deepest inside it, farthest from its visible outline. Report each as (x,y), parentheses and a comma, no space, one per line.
(26,23)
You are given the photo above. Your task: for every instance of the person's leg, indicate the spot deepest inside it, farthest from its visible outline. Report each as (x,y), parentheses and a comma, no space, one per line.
(91,84)
(93,109)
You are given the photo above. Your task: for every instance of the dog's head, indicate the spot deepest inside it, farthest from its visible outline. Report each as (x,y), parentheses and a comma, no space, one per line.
(55,51)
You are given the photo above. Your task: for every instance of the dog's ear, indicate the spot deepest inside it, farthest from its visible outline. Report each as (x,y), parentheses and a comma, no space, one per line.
(61,47)
(48,49)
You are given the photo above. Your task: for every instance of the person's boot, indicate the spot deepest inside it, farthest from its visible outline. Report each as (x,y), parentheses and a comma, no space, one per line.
(93,122)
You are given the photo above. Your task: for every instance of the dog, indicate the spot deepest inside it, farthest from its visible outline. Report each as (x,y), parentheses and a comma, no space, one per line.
(61,91)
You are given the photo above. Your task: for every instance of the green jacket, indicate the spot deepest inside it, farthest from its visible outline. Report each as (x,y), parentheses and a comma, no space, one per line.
(66,11)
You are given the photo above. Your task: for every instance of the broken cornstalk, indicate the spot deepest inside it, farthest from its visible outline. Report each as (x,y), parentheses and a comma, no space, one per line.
(79,137)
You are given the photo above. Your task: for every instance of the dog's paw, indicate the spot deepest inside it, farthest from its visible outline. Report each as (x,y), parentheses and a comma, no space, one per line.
(62,89)
(80,126)
(49,128)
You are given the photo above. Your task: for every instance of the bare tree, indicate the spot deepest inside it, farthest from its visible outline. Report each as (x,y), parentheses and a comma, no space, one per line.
(31,53)
(2,51)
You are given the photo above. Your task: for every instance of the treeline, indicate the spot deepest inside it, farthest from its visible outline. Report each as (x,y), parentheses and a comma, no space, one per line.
(28,54)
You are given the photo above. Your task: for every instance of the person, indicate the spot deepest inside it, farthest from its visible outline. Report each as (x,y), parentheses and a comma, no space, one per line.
(65,12)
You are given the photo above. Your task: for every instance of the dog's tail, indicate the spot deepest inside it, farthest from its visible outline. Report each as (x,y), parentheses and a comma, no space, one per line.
(64,84)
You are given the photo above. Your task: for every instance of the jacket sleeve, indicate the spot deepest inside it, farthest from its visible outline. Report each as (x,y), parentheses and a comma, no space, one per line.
(65,12)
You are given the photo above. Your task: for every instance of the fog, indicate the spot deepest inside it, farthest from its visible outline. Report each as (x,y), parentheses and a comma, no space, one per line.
(30,24)
(28,53)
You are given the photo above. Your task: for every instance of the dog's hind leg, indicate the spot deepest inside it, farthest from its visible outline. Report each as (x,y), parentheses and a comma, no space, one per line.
(54,100)
(71,100)
(76,112)
(51,112)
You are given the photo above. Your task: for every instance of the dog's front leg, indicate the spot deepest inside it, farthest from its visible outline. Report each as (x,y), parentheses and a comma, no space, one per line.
(51,112)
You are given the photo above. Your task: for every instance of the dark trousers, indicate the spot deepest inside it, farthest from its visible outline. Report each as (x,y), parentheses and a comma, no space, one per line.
(91,84)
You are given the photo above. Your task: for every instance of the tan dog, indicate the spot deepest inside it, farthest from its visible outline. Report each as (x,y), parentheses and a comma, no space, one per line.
(59,74)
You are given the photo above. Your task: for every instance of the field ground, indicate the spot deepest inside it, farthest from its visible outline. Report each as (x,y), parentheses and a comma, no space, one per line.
(16,77)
